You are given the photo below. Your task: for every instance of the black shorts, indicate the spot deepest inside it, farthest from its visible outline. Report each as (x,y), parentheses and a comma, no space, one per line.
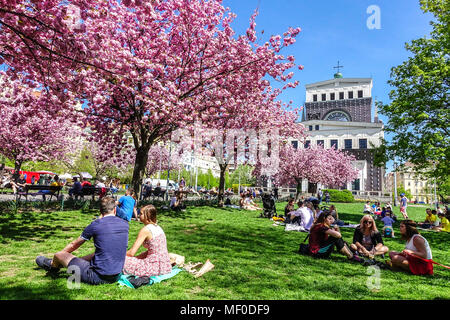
(88,274)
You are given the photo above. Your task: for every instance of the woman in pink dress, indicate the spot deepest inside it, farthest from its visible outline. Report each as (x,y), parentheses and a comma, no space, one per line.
(155,261)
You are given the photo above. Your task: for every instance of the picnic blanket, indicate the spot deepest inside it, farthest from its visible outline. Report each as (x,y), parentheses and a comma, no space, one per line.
(124,282)
(353,226)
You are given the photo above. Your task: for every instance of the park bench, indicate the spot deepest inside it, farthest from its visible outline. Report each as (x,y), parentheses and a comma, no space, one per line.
(91,191)
(54,191)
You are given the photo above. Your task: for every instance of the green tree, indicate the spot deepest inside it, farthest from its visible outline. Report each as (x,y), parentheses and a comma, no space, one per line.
(419,112)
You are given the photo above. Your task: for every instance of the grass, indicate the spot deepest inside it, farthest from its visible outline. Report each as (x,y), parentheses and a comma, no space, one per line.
(253,259)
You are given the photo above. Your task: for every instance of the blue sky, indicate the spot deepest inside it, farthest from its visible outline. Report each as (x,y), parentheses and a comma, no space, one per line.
(337,30)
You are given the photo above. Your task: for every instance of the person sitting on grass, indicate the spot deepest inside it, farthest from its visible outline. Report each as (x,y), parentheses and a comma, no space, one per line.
(444,225)
(126,206)
(367,240)
(110,235)
(417,256)
(176,202)
(323,238)
(289,207)
(388,222)
(335,215)
(155,261)
(307,215)
(430,220)
(247,204)
(295,216)
(367,208)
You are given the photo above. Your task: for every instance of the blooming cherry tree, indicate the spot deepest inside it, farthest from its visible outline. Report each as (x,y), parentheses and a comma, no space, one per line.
(29,135)
(315,164)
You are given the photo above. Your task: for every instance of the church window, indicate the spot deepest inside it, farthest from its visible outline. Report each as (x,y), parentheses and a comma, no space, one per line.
(350,94)
(307,144)
(348,143)
(324,96)
(338,116)
(360,93)
(334,143)
(363,143)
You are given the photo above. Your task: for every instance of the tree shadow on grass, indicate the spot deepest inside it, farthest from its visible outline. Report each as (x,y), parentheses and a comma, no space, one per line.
(26,226)
(51,290)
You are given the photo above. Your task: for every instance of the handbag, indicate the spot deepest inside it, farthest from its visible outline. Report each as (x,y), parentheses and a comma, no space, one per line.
(304,248)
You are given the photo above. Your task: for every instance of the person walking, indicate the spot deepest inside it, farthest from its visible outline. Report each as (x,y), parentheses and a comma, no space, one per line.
(403,205)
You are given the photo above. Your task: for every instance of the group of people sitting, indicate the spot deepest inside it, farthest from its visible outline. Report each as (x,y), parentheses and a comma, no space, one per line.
(246,202)
(16,182)
(432,220)
(367,242)
(77,186)
(110,233)
(324,235)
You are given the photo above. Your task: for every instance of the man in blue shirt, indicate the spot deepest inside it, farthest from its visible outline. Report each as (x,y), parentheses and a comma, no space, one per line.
(110,235)
(126,206)
(76,188)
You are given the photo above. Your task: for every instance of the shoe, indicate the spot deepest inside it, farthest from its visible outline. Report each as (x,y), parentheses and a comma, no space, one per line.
(46,264)
(357,259)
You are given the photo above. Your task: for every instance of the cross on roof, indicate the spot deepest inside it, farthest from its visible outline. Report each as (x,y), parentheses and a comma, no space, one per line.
(338,66)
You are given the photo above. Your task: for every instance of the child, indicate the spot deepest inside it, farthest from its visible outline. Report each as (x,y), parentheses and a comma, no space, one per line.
(388,221)
(445,224)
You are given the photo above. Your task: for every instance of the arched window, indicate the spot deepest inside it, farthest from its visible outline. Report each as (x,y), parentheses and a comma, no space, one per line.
(338,116)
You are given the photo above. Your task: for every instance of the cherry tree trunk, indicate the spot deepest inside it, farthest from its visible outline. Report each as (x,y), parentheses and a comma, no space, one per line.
(220,197)
(299,190)
(140,164)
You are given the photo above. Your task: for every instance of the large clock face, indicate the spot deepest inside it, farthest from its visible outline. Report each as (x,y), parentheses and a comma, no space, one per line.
(338,116)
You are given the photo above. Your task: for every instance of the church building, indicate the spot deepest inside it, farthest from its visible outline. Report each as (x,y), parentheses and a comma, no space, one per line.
(338,113)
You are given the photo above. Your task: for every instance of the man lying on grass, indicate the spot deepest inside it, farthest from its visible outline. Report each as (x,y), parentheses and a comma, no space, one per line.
(110,234)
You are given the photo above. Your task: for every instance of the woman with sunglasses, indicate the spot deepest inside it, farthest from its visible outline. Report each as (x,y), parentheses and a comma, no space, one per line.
(367,240)
(416,257)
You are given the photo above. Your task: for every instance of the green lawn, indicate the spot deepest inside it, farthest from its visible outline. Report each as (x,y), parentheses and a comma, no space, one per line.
(252,258)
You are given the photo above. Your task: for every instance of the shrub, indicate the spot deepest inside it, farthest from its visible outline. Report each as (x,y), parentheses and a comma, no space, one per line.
(339,195)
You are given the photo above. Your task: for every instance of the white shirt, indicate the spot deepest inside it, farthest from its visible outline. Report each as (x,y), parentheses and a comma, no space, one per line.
(307,218)
(410,245)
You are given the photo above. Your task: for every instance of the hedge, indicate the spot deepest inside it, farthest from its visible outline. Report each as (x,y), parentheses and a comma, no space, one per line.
(339,195)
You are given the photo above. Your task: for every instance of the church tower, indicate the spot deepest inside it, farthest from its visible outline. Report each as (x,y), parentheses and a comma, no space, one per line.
(338,114)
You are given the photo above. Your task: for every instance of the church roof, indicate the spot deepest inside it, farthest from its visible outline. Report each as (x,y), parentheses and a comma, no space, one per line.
(340,80)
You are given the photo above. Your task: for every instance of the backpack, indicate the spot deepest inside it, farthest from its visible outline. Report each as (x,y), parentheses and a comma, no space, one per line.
(388,233)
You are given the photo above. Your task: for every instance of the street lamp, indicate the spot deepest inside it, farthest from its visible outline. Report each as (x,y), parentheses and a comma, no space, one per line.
(435,194)
(168,170)
(395,183)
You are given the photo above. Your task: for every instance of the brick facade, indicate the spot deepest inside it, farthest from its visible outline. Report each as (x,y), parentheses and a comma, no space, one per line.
(359,110)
